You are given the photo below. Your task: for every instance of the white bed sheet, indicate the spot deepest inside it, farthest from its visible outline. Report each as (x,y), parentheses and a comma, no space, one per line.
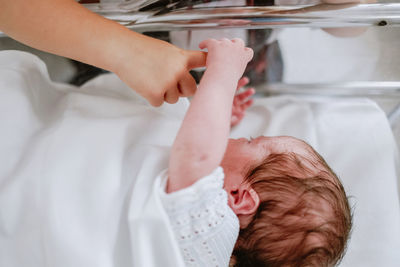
(77,167)
(352,135)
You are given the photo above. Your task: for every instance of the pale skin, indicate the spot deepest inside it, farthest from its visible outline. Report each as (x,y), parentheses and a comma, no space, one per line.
(241,155)
(241,102)
(155,69)
(201,142)
(202,139)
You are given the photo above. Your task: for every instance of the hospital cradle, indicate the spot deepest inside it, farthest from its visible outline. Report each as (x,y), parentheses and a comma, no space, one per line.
(372,188)
(191,16)
(175,15)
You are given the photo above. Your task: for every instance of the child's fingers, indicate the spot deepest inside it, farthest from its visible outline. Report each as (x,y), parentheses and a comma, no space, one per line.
(155,102)
(155,97)
(171,96)
(187,85)
(196,59)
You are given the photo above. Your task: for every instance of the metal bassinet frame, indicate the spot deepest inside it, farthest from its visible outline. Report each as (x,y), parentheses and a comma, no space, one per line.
(173,15)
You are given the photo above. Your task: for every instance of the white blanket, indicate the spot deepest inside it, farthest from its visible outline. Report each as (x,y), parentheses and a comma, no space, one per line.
(74,160)
(77,170)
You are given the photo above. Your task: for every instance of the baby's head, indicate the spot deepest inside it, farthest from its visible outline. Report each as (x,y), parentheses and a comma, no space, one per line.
(292,208)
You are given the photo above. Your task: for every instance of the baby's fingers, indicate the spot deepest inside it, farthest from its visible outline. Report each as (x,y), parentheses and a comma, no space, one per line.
(249,53)
(242,97)
(207,43)
(242,82)
(236,118)
(247,104)
(238,41)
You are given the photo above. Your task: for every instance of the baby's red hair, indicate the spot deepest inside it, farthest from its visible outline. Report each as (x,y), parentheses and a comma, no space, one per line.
(303,219)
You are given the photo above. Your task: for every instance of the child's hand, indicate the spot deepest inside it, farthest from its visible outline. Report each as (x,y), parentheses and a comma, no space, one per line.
(160,72)
(227,57)
(241,102)
(157,70)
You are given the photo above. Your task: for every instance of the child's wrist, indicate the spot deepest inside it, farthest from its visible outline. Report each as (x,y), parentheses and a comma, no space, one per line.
(124,46)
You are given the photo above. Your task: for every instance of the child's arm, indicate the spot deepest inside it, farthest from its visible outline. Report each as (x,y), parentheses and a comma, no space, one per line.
(155,69)
(202,139)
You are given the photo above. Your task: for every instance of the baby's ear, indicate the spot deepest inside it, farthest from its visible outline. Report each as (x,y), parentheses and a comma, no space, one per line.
(244,200)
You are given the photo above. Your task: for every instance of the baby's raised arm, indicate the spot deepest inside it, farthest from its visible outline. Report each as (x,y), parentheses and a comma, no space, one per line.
(202,139)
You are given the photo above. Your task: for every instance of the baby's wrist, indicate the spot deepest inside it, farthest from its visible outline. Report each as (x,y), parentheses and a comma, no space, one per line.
(220,79)
(223,71)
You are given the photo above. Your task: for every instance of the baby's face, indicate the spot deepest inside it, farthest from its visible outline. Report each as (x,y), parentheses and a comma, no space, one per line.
(243,153)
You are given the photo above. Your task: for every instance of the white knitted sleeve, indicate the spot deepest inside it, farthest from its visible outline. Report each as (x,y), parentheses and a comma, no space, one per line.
(205,226)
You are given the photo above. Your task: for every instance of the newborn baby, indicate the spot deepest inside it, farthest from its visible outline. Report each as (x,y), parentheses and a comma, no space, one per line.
(82,176)
(275,201)
(302,216)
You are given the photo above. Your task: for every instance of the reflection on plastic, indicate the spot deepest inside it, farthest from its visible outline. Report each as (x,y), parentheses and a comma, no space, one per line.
(189,15)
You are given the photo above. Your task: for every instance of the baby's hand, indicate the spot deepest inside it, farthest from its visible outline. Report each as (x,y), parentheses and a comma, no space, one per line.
(241,102)
(227,56)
